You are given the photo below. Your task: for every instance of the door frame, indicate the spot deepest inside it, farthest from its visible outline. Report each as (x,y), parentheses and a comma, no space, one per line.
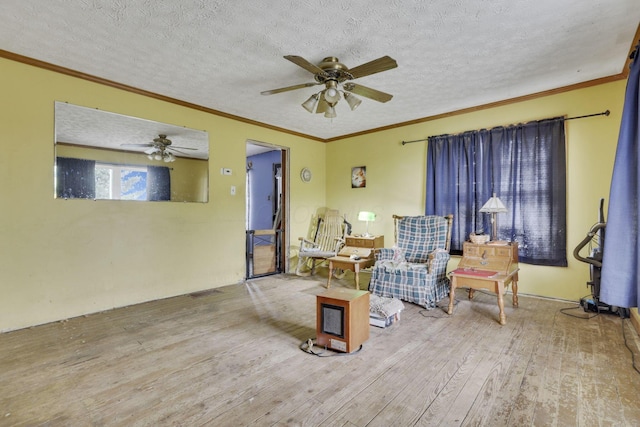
(285,201)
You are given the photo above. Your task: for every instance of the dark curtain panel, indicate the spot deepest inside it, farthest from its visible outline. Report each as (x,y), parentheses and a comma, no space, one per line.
(524,165)
(158,183)
(620,283)
(454,180)
(75,178)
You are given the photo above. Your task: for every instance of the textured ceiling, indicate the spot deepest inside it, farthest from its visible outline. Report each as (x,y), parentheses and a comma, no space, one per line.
(78,125)
(451,54)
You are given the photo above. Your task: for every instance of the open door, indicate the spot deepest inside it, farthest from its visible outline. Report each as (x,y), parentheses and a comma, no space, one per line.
(266,207)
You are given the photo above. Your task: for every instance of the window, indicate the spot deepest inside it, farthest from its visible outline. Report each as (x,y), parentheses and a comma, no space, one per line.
(121,182)
(524,165)
(88,179)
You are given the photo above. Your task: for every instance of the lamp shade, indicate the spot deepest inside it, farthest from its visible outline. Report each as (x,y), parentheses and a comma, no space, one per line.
(366,216)
(310,104)
(352,100)
(330,112)
(493,205)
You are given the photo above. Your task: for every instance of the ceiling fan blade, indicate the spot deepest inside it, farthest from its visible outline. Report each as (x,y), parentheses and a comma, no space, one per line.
(374,94)
(323,105)
(377,65)
(178,151)
(136,145)
(151,150)
(288,88)
(301,62)
(171,147)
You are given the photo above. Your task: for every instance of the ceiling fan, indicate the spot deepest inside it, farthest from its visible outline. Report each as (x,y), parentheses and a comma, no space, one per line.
(159,149)
(336,77)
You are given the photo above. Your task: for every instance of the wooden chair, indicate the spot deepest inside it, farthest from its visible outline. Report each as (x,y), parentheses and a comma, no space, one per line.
(329,238)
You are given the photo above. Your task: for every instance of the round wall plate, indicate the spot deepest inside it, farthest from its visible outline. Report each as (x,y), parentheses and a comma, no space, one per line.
(305,174)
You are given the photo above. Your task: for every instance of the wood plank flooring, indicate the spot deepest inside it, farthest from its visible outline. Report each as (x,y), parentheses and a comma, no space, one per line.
(232,357)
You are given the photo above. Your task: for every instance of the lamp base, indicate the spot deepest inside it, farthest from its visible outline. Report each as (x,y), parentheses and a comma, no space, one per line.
(366,233)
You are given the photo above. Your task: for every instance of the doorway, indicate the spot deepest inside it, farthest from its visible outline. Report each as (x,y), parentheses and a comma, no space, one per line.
(266,209)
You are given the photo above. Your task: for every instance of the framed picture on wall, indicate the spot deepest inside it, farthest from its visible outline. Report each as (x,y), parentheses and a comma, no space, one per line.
(359,177)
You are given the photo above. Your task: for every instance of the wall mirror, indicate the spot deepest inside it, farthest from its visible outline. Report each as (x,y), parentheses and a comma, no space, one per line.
(103,155)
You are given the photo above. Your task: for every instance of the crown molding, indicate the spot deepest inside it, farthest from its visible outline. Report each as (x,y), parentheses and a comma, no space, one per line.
(77,74)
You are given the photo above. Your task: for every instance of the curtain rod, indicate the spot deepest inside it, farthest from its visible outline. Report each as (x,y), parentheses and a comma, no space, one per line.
(604,113)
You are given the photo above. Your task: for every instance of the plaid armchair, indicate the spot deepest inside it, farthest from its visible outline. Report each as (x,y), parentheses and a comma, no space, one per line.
(415,270)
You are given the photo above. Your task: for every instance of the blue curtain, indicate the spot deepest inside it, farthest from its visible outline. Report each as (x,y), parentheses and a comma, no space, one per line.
(524,165)
(620,281)
(75,178)
(158,183)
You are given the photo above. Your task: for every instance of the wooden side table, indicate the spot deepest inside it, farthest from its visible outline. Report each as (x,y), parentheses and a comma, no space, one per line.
(497,283)
(347,263)
(487,266)
(362,246)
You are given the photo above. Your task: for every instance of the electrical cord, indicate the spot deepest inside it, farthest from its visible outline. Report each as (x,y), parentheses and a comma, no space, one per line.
(307,347)
(624,336)
(587,317)
(445,309)
(622,318)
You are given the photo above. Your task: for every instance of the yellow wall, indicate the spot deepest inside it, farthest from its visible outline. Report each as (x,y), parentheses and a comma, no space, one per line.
(396,173)
(64,258)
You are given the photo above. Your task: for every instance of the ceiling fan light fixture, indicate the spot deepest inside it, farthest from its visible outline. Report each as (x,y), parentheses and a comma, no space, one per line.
(336,77)
(331,94)
(352,100)
(331,112)
(310,104)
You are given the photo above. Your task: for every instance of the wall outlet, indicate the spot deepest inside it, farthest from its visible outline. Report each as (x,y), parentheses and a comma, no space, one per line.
(233,190)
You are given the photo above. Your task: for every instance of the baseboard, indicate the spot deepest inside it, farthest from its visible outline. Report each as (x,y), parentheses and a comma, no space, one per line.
(635,319)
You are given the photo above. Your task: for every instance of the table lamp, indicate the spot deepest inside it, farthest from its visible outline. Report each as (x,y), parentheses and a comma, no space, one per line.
(493,206)
(366,216)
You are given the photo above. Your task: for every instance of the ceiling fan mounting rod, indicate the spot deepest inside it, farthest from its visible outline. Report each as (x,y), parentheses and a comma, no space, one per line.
(333,70)
(162,140)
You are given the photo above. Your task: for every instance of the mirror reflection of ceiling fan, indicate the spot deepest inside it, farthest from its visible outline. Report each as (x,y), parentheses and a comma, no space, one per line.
(336,78)
(161,149)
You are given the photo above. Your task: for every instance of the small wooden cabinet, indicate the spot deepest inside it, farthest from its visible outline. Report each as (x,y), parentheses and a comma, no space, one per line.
(362,246)
(371,242)
(485,256)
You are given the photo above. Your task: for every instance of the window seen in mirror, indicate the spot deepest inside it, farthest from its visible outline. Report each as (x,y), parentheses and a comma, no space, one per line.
(121,182)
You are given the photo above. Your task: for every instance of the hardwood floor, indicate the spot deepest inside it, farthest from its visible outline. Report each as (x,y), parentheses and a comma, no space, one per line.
(232,357)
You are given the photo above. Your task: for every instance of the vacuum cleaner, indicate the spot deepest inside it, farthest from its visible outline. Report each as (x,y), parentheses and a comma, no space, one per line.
(595,240)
